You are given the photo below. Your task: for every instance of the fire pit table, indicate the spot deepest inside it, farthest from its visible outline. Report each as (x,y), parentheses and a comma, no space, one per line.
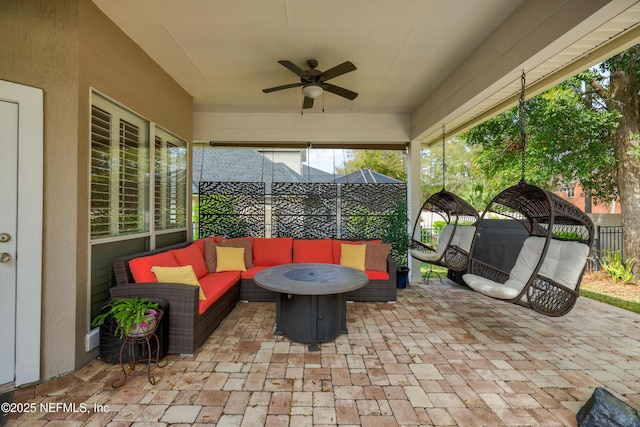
(312,306)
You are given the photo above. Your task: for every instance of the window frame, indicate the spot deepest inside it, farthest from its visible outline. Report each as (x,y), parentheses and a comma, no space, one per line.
(104,247)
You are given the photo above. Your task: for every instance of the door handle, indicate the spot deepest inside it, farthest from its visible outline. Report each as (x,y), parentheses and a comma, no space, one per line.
(5,257)
(5,237)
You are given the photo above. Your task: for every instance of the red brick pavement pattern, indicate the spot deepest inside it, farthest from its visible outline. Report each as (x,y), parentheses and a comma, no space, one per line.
(441,356)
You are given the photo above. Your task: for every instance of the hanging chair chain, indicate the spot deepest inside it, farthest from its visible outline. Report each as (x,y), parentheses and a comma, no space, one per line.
(522,120)
(444,165)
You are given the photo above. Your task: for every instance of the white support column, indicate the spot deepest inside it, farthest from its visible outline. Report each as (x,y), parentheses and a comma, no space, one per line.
(415,199)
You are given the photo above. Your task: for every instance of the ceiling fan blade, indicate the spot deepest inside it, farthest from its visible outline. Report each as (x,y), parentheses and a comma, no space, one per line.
(273,89)
(345,93)
(293,67)
(338,70)
(308,102)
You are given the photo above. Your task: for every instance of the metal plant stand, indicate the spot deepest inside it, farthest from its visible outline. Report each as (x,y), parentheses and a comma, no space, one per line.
(129,368)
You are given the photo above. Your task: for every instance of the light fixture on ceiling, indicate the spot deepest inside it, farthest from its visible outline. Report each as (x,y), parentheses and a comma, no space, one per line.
(312,91)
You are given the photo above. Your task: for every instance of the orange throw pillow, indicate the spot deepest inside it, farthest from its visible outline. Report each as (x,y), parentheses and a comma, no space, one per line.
(272,250)
(316,250)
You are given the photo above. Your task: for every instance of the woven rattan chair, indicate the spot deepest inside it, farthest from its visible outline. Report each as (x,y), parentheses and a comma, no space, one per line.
(454,242)
(547,273)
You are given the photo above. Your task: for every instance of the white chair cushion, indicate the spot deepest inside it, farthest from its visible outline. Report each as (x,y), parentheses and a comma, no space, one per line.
(563,264)
(425,257)
(442,244)
(463,237)
(443,240)
(489,287)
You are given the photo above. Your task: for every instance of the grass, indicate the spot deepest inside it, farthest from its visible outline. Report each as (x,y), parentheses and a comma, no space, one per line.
(607,299)
(597,285)
(601,287)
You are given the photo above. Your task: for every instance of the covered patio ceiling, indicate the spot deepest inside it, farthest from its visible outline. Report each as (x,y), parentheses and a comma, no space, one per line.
(420,63)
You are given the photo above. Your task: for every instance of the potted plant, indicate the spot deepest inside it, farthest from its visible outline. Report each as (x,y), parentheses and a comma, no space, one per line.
(396,221)
(134,316)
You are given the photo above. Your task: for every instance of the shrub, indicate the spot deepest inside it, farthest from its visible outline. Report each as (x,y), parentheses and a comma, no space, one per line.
(619,269)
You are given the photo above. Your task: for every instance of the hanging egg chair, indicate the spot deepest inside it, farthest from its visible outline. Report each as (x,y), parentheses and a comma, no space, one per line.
(454,241)
(547,272)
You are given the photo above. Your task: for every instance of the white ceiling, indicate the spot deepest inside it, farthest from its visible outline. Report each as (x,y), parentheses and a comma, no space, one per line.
(224,52)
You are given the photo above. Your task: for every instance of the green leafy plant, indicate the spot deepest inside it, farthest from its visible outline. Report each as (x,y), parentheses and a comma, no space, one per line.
(620,270)
(569,235)
(127,312)
(396,221)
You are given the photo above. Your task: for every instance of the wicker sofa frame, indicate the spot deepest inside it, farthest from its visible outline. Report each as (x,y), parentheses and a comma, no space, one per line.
(188,330)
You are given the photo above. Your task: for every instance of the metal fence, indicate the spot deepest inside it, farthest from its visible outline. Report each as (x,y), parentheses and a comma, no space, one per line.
(607,239)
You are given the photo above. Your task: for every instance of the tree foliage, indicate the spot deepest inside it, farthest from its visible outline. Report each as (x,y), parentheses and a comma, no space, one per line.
(457,171)
(568,139)
(387,162)
(585,129)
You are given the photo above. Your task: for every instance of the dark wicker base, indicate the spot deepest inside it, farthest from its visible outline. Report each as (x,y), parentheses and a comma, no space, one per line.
(188,330)
(251,292)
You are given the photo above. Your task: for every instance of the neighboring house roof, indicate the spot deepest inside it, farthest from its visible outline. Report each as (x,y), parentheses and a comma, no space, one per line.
(237,165)
(367,176)
(312,174)
(244,165)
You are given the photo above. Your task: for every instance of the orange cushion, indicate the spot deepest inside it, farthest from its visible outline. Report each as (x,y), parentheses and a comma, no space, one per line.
(199,244)
(192,256)
(272,250)
(377,275)
(251,272)
(214,285)
(141,267)
(317,250)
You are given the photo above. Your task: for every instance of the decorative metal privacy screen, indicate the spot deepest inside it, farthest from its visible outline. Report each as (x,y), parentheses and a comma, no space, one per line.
(363,208)
(304,210)
(231,209)
(301,210)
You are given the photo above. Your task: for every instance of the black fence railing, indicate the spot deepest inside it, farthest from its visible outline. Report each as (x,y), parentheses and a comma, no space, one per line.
(608,239)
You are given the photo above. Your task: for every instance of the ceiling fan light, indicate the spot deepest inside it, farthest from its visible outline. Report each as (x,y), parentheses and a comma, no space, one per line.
(312,91)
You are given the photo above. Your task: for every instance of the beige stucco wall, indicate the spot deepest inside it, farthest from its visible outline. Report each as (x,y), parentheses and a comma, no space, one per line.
(66,47)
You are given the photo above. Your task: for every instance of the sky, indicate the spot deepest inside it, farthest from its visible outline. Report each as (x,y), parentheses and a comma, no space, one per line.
(325,159)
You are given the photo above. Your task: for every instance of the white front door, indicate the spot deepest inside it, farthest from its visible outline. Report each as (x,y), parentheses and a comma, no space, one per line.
(8,231)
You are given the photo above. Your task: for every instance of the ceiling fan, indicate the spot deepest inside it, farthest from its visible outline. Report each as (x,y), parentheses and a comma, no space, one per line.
(314,82)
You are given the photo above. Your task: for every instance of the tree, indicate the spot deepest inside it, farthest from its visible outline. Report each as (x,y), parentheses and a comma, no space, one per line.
(387,162)
(585,129)
(622,97)
(457,171)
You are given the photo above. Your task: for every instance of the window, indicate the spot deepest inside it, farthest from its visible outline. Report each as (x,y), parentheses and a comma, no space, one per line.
(571,191)
(170,185)
(139,192)
(119,167)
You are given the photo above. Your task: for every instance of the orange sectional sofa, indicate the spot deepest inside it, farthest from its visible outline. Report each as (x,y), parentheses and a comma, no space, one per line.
(203,280)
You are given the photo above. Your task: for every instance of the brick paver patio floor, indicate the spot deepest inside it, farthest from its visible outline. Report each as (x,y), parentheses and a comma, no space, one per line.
(441,356)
